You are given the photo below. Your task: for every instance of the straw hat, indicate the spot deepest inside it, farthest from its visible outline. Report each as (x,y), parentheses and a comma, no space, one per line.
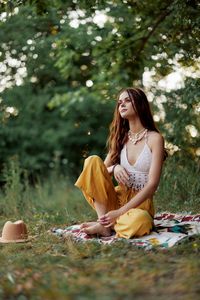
(14,232)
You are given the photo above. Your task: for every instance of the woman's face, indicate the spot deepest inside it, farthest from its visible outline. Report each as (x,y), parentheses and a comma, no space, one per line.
(125,106)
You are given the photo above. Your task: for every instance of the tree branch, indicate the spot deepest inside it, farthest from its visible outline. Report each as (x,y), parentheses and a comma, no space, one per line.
(157,23)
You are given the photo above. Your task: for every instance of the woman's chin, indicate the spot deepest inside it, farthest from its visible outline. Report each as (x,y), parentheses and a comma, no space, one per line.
(124,116)
(128,116)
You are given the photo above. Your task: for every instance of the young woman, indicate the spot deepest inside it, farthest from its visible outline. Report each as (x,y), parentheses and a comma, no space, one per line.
(135,157)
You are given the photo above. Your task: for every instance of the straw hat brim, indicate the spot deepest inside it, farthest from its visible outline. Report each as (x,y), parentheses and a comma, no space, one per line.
(4,241)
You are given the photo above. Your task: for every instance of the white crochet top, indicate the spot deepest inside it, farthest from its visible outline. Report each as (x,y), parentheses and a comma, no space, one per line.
(140,170)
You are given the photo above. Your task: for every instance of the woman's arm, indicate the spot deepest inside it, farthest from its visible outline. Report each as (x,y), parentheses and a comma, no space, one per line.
(120,173)
(157,147)
(108,164)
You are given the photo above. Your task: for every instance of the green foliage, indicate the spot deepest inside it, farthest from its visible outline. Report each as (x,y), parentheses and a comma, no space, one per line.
(53,200)
(44,136)
(31,132)
(179,189)
(14,201)
(182,107)
(72,69)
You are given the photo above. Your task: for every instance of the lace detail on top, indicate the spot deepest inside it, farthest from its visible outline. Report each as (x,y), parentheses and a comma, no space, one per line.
(140,170)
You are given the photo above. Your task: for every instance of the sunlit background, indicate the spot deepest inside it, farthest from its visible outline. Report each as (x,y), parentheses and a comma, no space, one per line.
(62,64)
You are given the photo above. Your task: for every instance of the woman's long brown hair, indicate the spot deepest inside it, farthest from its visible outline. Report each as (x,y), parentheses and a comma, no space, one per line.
(119,127)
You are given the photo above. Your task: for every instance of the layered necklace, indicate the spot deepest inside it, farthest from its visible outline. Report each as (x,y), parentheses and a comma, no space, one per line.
(136,137)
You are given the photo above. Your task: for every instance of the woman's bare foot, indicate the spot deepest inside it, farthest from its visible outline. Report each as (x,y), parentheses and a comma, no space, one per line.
(97,229)
(88,224)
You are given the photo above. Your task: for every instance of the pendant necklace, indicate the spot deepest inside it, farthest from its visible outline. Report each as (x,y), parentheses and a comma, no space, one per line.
(136,137)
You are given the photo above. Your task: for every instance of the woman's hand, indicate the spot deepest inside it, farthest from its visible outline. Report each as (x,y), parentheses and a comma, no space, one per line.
(109,218)
(121,175)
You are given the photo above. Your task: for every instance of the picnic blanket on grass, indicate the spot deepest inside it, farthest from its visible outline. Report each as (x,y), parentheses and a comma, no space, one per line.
(168,230)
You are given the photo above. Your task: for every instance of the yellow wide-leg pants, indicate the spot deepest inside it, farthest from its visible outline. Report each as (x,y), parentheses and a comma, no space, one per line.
(96,185)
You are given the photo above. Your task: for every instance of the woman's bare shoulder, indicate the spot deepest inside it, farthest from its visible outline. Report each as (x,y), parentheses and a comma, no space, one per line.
(155,138)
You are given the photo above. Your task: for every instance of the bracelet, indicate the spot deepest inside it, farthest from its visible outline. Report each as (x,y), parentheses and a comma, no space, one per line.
(113,169)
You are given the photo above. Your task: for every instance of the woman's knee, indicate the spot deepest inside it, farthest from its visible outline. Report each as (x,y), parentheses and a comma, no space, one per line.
(136,222)
(140,216)
(141,219)
(92,160)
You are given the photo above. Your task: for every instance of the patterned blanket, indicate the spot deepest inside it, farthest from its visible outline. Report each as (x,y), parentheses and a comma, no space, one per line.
(168,230)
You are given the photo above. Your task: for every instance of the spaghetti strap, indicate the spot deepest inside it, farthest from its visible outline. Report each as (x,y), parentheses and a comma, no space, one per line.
(146,137)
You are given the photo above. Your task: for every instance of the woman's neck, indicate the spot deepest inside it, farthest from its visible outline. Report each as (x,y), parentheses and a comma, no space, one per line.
(135,125)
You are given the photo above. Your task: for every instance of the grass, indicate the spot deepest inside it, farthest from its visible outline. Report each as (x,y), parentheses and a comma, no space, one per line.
(51,268)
